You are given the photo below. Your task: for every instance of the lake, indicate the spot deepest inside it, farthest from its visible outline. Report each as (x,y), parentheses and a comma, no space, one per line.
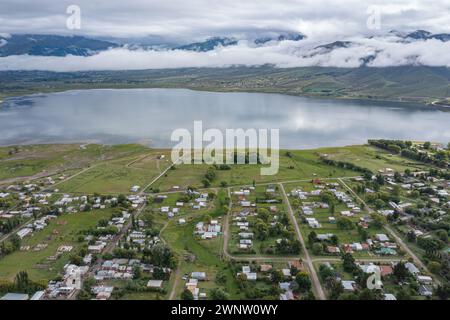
(149,116)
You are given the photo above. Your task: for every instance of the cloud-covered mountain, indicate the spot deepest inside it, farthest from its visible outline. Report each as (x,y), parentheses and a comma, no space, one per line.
(421,35)
(208,44)
(60,46)
(51,45)
(278,49)
(290,36)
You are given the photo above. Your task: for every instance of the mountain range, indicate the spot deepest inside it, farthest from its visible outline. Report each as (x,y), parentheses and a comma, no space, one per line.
(51,45)
(57,45)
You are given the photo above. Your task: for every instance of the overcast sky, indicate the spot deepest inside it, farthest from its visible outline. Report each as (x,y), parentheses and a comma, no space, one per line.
(196,19)
(322,21)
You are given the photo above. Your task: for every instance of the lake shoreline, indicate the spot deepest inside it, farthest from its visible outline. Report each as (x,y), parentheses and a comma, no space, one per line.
(118,116)
(313,97)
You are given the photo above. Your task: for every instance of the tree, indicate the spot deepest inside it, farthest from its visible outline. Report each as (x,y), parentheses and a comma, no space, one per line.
(400,272)
(276,275)
(327,197)
(429,244)
(16,242)
(348,263)
(336,289)
(334,240)
(378,221)
(137,272)
(187,295)
(312,238)
(76,260)
(363,233)
(263,214)
(403,294)
(443,291)
(206,183)
(434,266)
(309,296)
(380,179)
(161,255)
(218,294)
(367,294)
(22,283)
(325,272)
(221,277)
(317,248)
(148,220)
(303,281)
(332,209)
(442,235)
(344,223)
(348,296)
(208,218)
(121,199)
(379,203)
(427,145)
(261,230)
(411,236)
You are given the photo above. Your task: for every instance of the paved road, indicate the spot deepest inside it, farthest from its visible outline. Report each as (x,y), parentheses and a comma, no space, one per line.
(315,279)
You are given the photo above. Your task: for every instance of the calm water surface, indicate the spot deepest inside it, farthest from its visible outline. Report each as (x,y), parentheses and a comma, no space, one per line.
(150,115)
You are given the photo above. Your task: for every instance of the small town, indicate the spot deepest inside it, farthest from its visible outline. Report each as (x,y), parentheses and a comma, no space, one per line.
(348,232)
(222,159)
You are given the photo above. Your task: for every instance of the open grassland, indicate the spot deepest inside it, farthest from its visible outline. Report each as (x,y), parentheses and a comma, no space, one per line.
(118,176)
(114,169)
(294,165)
(33,161)
(63,230)
(371,158)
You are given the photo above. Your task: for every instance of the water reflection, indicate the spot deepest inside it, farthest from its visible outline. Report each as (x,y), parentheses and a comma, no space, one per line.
(120,116)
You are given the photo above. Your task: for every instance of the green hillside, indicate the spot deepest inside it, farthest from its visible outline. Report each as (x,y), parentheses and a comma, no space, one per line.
(409,83)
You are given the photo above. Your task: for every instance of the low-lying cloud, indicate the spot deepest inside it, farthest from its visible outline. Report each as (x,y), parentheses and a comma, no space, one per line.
(372,52)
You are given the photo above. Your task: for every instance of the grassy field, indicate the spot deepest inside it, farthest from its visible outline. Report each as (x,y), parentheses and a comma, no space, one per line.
(118,176)
(60,231)
(27,161)
(371,158)
(295,165)
(114,169)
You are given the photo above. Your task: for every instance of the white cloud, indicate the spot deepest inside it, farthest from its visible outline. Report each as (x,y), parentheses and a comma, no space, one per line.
(386,52)
(196,19)
(186,21)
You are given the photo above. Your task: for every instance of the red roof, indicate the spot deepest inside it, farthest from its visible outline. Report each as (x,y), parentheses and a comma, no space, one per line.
(386,270)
